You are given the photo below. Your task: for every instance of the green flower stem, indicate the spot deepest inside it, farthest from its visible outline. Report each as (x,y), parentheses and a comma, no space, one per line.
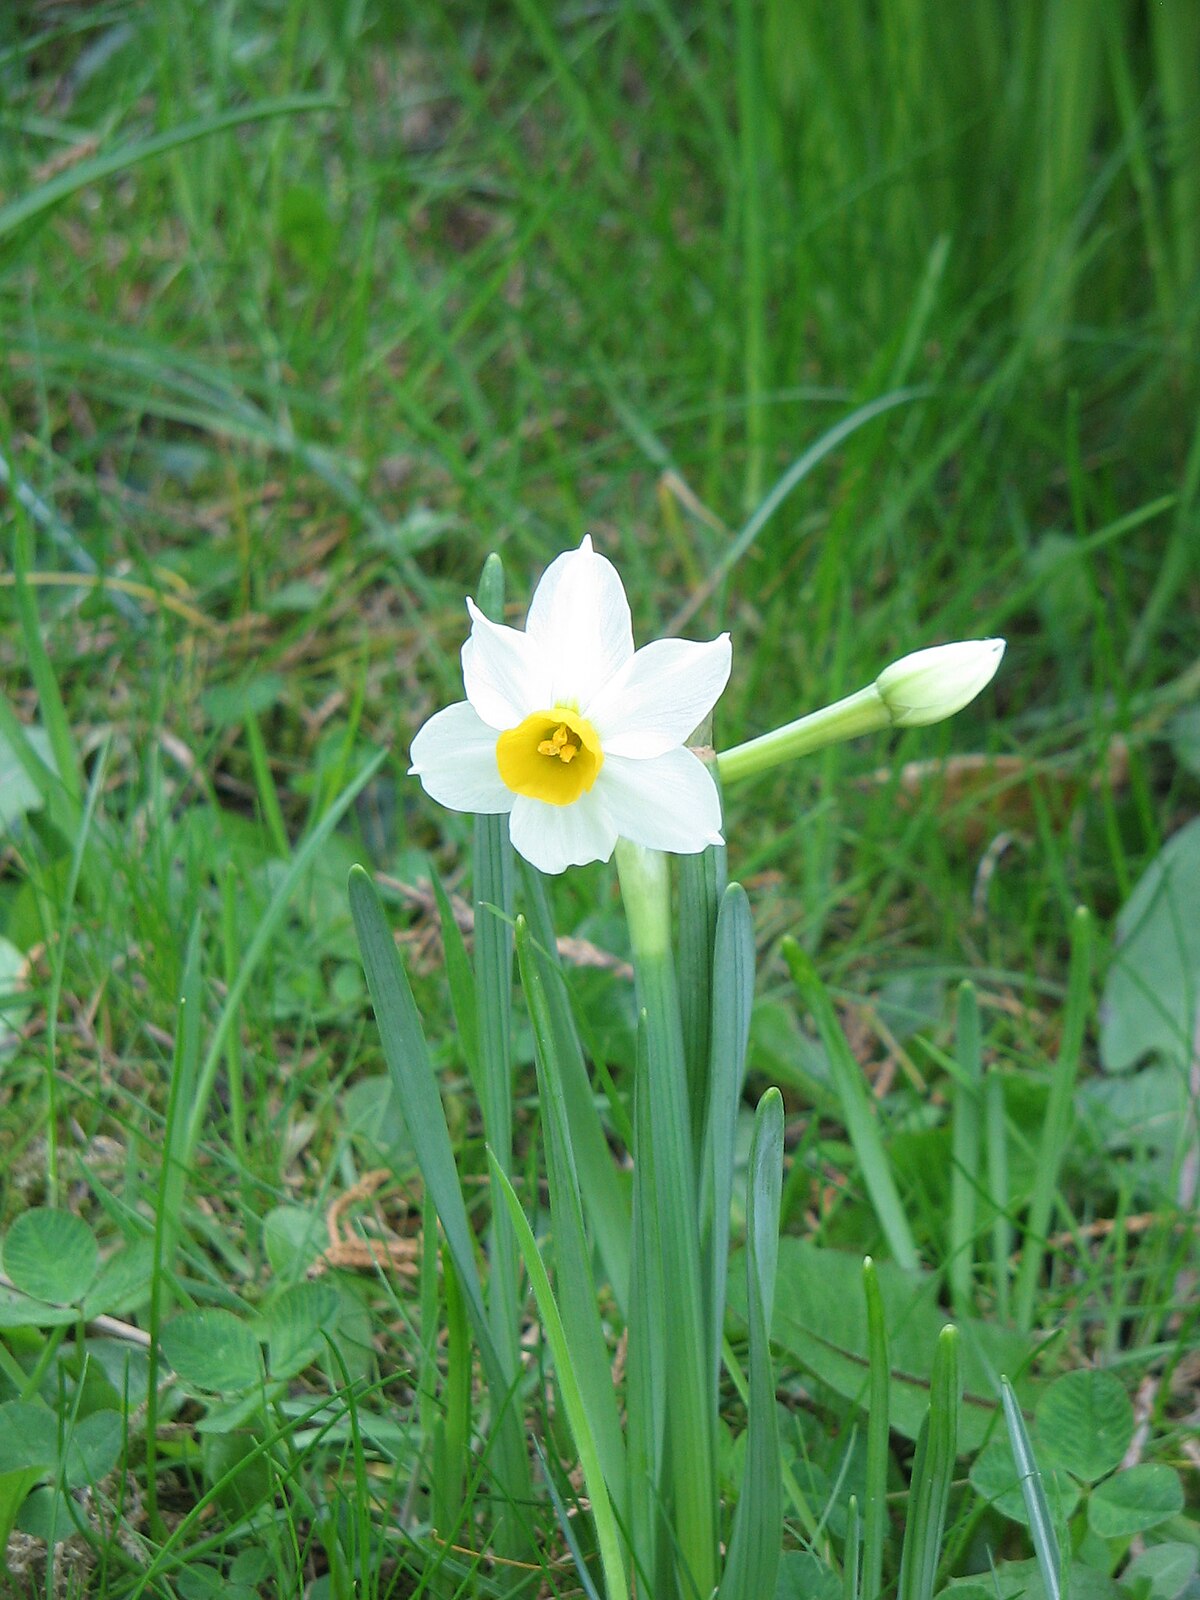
(864,712)
(646,891)
(494,893)
(690,1490)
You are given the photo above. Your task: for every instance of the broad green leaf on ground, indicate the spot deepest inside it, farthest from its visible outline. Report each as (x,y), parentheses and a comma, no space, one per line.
(122,1282)
(293,1238)
(93,1448)
(47,1514)
(19,795)
(1150,998)
(371,1113)
(124,1367)
(1084,1424)
(51,1254)
(28,1438)
(1134,1501)
(1183,731)
(1139,1111)
(23,1311)
(210,1583)
(228,703)
(237,1416)
(908,1002)
(295,1326)
(1021,1580)
(14,1004)
(995,1478)
(783,1053)
(355,1335)
(1064,588)
(804,1576)
(213,1351)
(1166,1568)
(821,1323)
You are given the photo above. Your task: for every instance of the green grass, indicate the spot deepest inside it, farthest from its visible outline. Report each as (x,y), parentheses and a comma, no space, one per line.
(304,308)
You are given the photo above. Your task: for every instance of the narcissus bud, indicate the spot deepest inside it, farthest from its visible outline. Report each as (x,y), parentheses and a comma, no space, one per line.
(932,684)
(919,688)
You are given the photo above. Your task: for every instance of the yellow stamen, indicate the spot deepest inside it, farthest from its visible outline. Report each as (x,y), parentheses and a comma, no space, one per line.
(558,744)
(553,756)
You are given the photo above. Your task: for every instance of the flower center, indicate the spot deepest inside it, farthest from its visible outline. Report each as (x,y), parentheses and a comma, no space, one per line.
(552,756)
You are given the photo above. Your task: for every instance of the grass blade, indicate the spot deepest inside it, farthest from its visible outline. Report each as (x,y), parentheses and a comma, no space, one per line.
(53,712)
(790,480)
(965,1141)
(753,200)
(306,853)
(415,1084)
(172,1181)
(856,1109)
(997,1178)
(1056,1129)
(85,173)
(416,1088)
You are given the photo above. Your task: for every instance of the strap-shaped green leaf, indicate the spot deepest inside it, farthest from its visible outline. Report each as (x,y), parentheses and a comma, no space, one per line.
(416,1089)
(701,879)
(683,1335)
(645,1361)
(732,1000)
(754,1546)
(1033,1491)
(572,1255)
(933,1469)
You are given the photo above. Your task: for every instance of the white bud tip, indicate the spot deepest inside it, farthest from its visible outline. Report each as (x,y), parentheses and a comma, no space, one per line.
(932,684)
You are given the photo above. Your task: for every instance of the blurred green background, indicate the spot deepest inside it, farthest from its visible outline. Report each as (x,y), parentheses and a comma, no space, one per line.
(304,307)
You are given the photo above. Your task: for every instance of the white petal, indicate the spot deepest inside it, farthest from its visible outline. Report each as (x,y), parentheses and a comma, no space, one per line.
(504,672)
(660,696)
(580,617)
(454,755)
(556,837)
(667,803)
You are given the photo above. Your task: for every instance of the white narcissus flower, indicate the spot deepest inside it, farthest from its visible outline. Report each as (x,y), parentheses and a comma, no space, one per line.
(573,733)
